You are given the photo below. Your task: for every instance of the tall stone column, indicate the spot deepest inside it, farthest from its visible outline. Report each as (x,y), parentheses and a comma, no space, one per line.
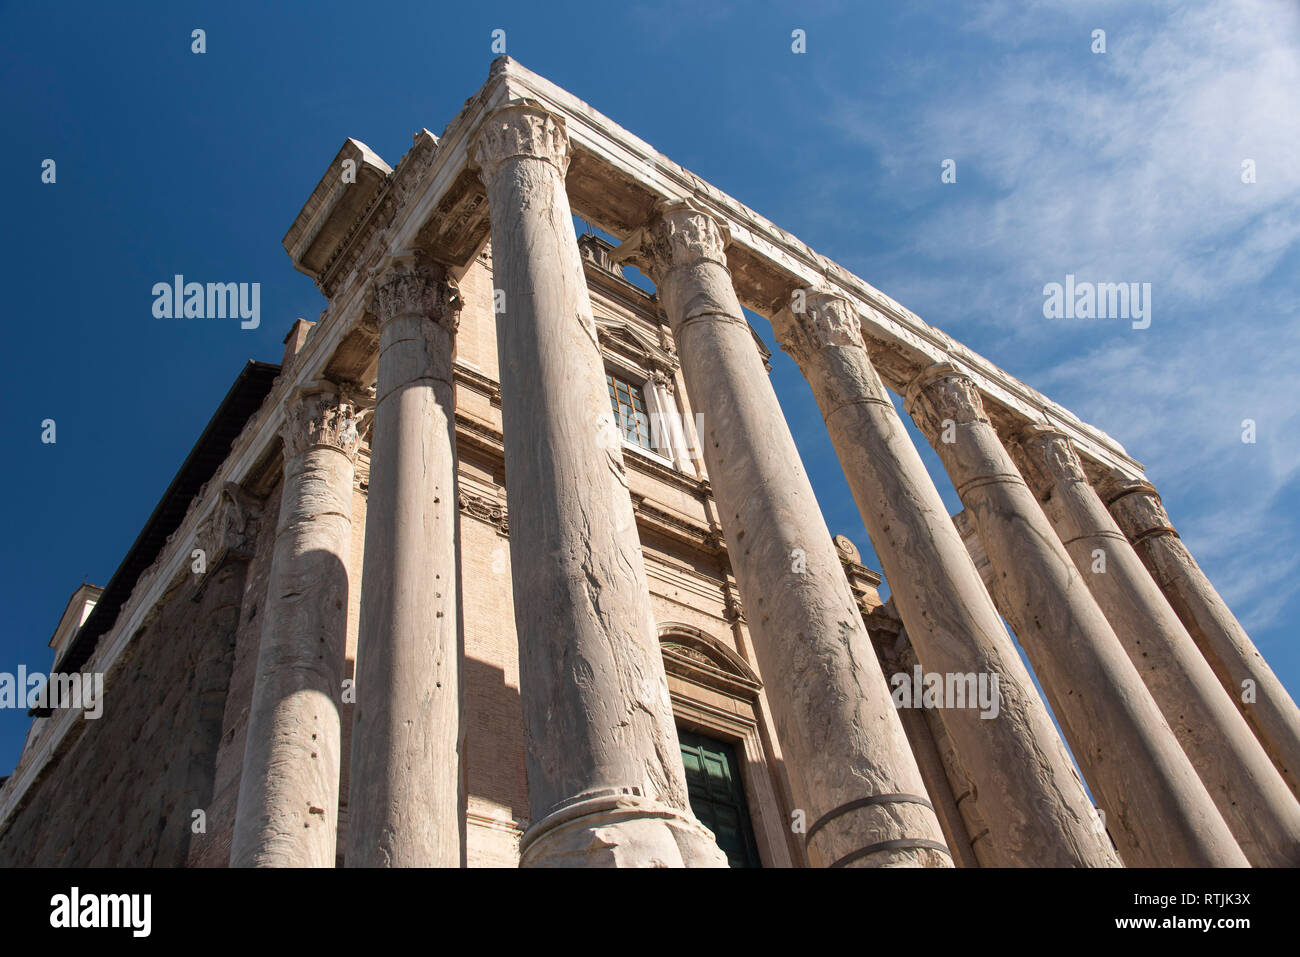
(851,770)
(404,804)
(1157,809)
(288,790)
(606,783)
(1252,797)
(1029,798)
(1268,708)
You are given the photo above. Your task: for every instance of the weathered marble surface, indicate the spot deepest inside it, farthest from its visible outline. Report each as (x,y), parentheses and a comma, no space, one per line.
(1273,714)
(1157,810)
(605,777)
(1032,809)
(834,716)
(1252,797)
(404,806)
(288,793)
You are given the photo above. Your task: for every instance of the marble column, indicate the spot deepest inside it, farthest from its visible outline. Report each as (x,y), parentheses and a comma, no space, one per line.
(1255,691)
(606,783)
(1032,804)
(853,775)
(404,805)
(1259,809)
(1157,810)
(288,790)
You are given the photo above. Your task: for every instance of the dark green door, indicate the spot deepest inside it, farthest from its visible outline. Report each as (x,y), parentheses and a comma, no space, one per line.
(717,797)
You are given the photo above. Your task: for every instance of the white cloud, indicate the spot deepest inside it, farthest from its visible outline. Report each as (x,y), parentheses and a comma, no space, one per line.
(1124,166)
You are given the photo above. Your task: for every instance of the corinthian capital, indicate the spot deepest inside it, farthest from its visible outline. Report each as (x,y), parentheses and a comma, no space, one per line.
(415,287)
(521,128)
(678,234)
(1135,506)
(943,393)
(323,414)
(1045,458)
(815,320)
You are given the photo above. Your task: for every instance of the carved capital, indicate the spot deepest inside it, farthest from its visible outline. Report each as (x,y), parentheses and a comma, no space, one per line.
(1135,506)
(940,394)
(1045,458)
(816,320)
(324,414)
(678,234)
(415,287)
(521,128)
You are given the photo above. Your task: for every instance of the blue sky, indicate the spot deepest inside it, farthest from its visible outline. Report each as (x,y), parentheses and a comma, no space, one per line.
(1123,166)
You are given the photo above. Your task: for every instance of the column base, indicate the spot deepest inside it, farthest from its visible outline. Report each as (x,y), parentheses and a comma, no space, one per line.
(618,829)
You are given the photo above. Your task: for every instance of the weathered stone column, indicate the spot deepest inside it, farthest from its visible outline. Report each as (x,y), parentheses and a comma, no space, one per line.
(404,803)
(1259,809)
(1268,708)
(851,770)
(1029,798)
(288,791)
(1157,809)
(605,778)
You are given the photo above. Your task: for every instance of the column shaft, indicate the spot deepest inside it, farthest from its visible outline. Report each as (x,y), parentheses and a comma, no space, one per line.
(288,790)
(1029,798)
(1157,809)
(404,808)
(605,777)
(1256,692)
(1252,797)
(851,769)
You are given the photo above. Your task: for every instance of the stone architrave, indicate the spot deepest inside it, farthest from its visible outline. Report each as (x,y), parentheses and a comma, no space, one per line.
(1252,797)
(606,783)
(1269,710)
(1157,810)
(404,803)
(287,814)
(1029,798)
(857,785)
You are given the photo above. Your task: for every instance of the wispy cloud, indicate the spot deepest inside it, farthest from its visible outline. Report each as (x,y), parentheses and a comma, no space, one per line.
(1123,166)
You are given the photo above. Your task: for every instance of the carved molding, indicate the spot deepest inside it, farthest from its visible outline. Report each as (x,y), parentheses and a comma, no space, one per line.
(486,510)
(692,654)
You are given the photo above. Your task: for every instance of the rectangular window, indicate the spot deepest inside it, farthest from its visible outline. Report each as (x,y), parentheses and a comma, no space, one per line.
(628,403)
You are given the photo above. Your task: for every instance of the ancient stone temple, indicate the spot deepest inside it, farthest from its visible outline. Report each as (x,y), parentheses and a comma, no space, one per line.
(513,562)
